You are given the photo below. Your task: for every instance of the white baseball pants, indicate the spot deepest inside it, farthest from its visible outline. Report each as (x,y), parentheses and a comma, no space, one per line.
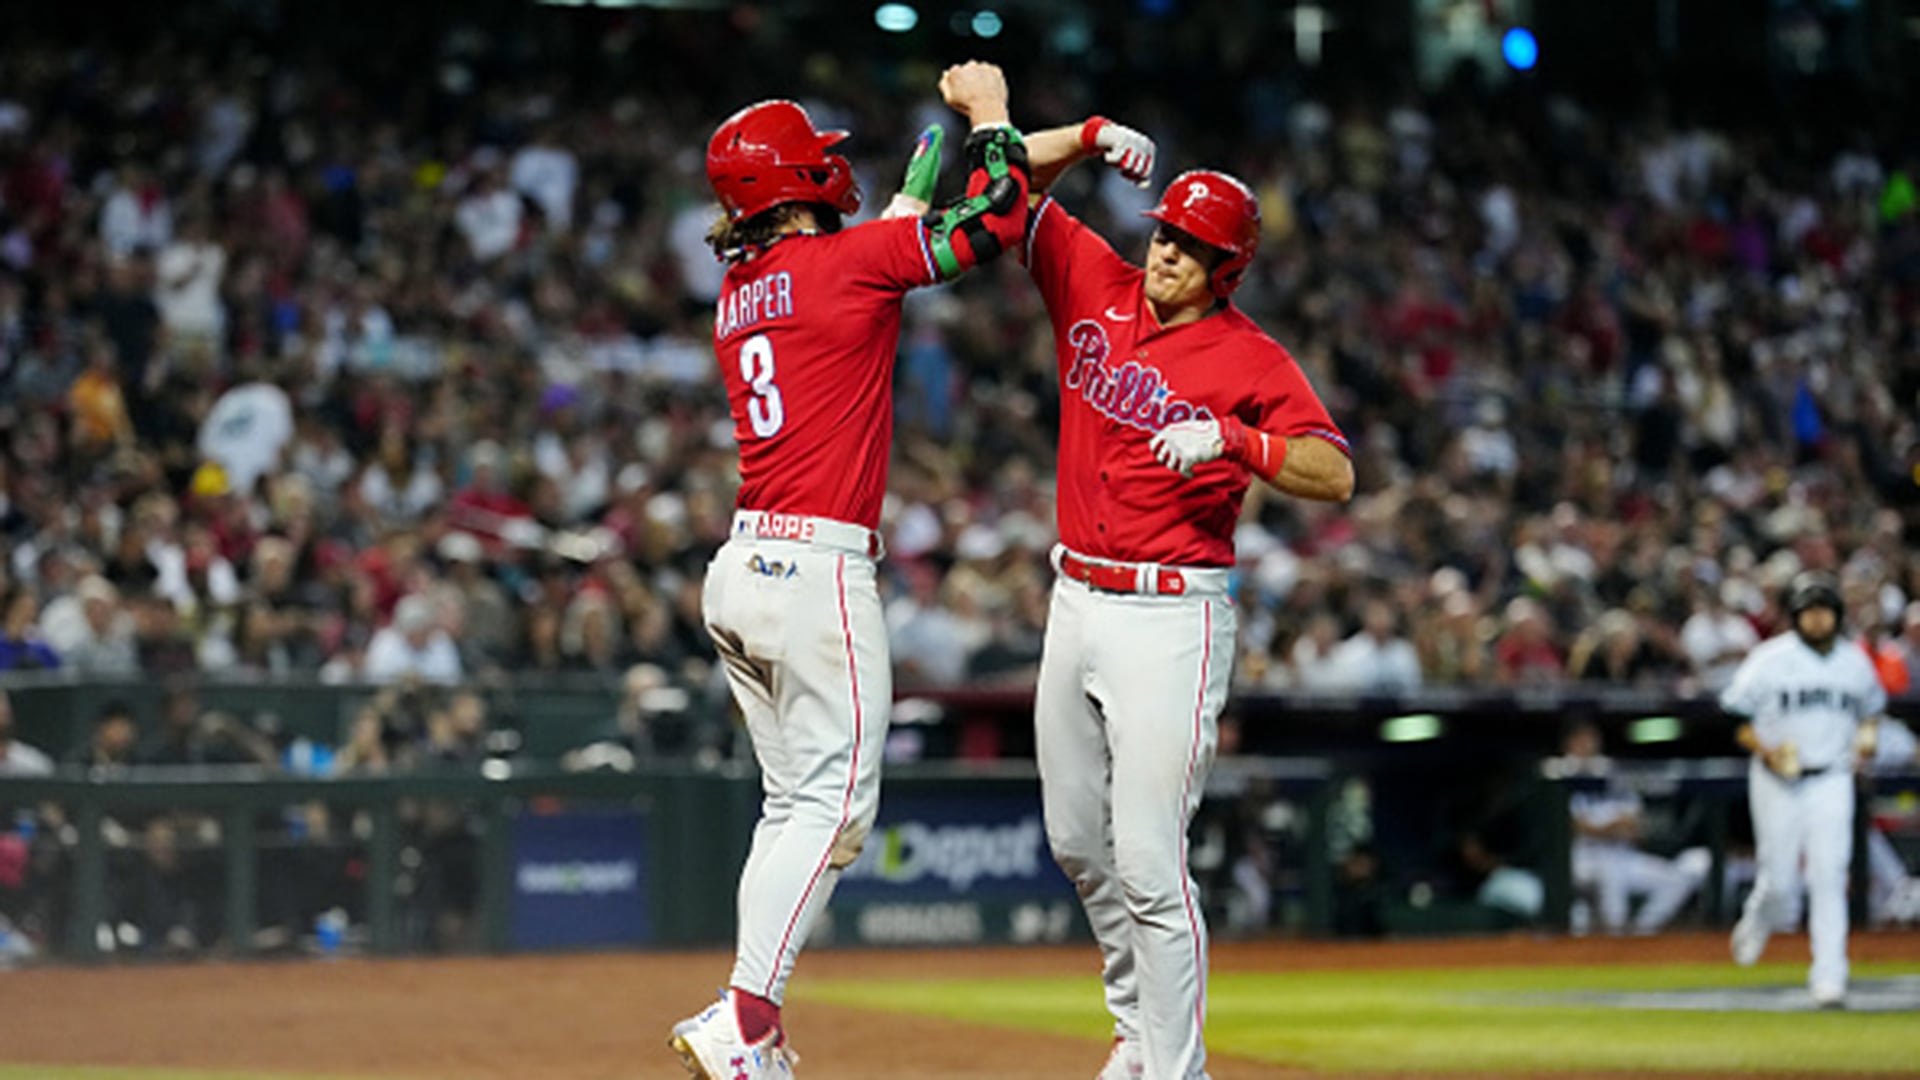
(1811,817)
(1130,692)
(800,629)
(1616,873)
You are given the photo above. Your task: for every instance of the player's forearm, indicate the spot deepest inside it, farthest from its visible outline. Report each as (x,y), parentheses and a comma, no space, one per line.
(1312,468)
(1749,739)
(993,214)
(1054,151)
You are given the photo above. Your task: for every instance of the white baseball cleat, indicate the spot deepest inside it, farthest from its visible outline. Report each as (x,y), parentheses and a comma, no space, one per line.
(1124,1062)
(1829,996)
(1749,941)
(711,1047)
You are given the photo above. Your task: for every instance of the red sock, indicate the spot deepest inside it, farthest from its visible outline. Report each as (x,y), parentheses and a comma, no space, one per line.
(756,1015)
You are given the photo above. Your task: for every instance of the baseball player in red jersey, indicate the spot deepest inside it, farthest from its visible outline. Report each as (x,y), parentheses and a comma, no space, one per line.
(1172,402)
(806,332)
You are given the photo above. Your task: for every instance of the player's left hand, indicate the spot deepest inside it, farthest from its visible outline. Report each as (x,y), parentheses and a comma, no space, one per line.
(1189,443)
(1866,743)
(923,172)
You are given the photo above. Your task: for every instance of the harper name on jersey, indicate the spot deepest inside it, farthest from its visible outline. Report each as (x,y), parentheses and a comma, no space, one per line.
(1136,394)
(770,297)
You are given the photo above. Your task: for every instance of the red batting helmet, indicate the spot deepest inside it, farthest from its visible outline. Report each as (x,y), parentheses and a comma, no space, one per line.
(1216,210)
(770,153)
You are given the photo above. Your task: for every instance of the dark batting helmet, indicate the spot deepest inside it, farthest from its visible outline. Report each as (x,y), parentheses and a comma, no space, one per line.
(1810,589)
(1218,211)
(770,153)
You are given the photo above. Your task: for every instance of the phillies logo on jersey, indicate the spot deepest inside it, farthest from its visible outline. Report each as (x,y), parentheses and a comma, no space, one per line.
(1135,394)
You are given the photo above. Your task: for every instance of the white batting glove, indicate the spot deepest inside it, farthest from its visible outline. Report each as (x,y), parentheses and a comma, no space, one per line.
(1189,443)
(1120,146)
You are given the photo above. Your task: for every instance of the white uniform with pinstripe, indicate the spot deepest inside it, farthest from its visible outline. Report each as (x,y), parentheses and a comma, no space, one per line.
(1126,722)
(799,626)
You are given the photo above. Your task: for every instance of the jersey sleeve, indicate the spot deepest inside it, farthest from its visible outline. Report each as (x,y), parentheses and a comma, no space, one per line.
(906,253)
(893,254)
(1284,403)
(1748,690)
(1061,254)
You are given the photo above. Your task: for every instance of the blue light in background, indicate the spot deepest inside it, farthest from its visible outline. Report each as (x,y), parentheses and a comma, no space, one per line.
(896,18)
(987,24)
(1520,49)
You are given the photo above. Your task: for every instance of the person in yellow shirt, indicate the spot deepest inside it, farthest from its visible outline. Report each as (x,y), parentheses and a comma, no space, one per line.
(99,408)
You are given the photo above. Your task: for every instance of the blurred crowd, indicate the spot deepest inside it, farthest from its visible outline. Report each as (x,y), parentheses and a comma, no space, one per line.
(300,376)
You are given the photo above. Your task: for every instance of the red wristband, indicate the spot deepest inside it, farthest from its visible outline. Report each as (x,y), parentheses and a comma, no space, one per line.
(1253,448)
(1090,132)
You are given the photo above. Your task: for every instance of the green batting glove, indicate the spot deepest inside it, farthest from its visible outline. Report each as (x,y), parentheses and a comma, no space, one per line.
(923,169)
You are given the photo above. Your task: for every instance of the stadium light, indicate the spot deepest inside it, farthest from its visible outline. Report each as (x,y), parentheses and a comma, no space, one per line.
(896,18)
(1310,26)
(987,23)
(1521,49)
(1417,727)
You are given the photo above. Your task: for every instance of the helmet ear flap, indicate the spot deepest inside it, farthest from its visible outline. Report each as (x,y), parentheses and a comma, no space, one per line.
(840,190)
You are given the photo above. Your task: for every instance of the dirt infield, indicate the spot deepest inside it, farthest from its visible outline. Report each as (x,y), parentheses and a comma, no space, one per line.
(605,1017)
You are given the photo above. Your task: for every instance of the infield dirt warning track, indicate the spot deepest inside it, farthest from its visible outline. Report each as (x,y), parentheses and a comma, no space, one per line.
(604,1017)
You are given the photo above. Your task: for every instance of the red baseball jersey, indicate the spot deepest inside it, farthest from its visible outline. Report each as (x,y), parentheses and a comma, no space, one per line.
(1123,377)
(806,333)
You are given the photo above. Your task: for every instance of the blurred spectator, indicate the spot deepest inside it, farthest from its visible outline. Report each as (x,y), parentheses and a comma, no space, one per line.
(1615,651)
(21,648)
(1717,638)
(137,215)
(189,736)
(92,631)
(413,647)
(1525,653)
(114,741)
(100,418)
(245,433)
(187,288)
(480,309)
(1377,660)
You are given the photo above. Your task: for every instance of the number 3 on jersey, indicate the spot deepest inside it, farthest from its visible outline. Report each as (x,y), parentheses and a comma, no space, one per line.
(764,410)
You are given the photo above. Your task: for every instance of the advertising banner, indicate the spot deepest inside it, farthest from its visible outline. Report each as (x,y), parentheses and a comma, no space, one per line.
(952,869)
(580,879)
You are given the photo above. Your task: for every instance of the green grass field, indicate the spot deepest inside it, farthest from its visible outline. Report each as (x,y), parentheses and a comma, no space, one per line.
(1473,1021)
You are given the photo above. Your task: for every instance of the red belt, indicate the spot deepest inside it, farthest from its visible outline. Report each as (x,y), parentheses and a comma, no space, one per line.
(1124,578)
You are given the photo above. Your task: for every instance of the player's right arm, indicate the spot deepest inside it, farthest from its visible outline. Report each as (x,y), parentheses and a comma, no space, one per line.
(900,254)
(1056,150)
(1743,697)
(992,216)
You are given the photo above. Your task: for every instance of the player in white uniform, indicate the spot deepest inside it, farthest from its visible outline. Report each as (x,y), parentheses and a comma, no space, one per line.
(1608,862)
(1807,697)
(1893,894)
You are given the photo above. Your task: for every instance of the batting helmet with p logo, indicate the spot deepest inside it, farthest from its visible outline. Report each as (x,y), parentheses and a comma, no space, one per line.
(1218,211)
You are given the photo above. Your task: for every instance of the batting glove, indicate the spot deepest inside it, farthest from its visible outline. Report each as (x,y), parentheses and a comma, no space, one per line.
(923,172)
(1125,149)
(1189,443)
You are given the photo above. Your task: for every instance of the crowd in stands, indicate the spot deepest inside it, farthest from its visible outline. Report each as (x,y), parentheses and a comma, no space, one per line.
(301,377)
